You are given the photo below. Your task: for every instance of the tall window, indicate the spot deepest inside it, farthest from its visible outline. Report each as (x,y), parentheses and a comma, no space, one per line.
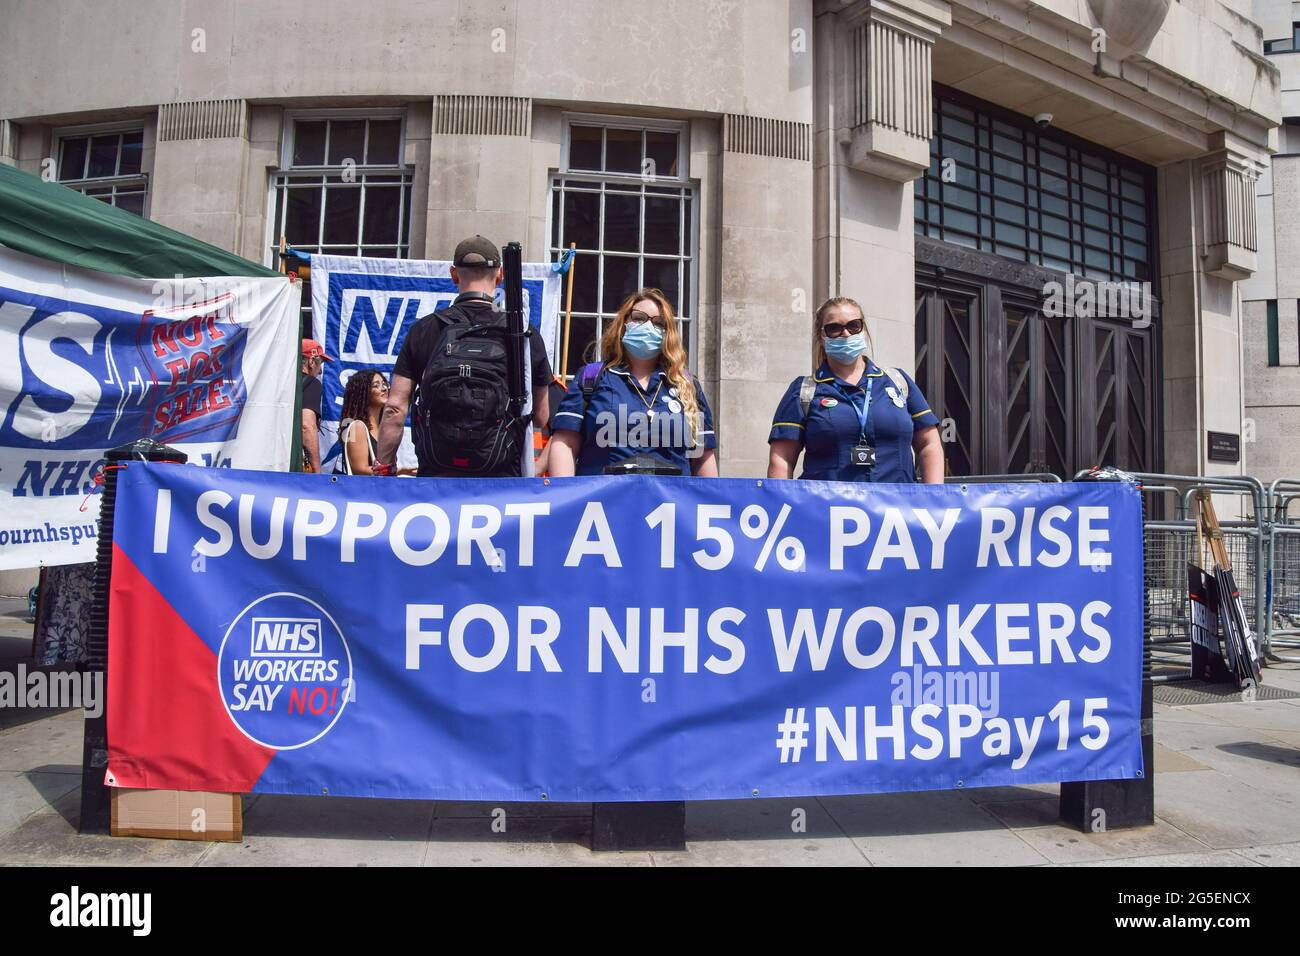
(106,165)
(997,184)
(344,189)
(623,197)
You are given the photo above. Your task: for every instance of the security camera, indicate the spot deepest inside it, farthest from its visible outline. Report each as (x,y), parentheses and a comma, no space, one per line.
(1043,120)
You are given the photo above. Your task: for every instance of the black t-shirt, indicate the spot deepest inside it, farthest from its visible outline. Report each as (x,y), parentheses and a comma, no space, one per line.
(418,345)
(311,395)
(417,349)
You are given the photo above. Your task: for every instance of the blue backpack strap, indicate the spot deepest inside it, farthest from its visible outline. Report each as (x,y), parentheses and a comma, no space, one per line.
(589,375)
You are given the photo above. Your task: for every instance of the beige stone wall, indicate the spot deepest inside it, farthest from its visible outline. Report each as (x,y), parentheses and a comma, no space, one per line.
(769,227)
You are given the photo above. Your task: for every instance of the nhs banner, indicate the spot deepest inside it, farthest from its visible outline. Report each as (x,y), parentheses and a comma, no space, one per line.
(618,638)
(361,309)
(89,361)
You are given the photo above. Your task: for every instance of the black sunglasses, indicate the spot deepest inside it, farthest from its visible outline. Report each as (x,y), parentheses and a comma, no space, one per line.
(833,330)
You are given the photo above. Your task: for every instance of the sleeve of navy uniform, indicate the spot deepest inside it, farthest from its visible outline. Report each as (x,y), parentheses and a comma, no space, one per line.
(568,417)
(789,419)
(918,407)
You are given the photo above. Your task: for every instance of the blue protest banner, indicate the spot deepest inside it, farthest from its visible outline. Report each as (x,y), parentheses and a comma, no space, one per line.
(620,638)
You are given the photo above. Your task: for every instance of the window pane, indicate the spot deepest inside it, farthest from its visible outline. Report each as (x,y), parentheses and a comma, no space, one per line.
(309,143)
(661,147)
(555,218)
(582,337)
(687,309)
(384,138)
(342,215)
(302,221)
(72,164)
(103,155)
(347,141)
(131,202)
(662,274)
(623,151)
(586,273)
(382,205)
(132,145)
(662,228)
(581,221)
(584,147)
(622,222)
(620,281)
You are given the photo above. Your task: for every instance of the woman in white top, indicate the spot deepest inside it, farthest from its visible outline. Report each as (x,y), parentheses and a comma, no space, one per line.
(363,403)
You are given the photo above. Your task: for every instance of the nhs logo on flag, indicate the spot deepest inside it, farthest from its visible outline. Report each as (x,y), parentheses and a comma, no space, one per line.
(367,316)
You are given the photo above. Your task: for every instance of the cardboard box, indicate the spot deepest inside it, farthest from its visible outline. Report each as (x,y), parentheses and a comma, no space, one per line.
(178,815)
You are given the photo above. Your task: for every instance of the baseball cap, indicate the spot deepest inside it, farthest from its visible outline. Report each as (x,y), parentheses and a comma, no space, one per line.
(477,252)
(311,348)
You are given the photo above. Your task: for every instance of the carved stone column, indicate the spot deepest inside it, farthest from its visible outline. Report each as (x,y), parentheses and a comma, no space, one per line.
(1228,236)
(886,101)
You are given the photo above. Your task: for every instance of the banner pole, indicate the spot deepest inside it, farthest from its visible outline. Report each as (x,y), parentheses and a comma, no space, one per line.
(568,312)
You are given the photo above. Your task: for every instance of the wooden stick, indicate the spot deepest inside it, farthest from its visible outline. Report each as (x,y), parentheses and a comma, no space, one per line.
(568,312)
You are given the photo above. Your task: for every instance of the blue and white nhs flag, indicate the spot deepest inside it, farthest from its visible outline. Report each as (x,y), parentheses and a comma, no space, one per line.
(362,309)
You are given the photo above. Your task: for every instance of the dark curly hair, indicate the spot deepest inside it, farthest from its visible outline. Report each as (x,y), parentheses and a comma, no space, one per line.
(356,395)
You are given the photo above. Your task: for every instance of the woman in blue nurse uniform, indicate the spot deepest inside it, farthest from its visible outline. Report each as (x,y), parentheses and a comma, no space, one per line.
(853,420)
(638,400)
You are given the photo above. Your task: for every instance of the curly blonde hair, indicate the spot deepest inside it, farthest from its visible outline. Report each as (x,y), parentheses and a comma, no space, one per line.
(672,355)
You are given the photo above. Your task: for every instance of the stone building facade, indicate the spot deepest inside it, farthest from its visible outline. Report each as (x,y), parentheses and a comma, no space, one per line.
(949,163)
(1271,327)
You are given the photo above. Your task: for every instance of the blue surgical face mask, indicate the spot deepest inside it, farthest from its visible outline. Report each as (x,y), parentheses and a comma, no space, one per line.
(643,340)
(846,348)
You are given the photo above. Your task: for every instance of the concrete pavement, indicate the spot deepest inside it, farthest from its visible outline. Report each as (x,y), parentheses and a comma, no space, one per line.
(1227,793)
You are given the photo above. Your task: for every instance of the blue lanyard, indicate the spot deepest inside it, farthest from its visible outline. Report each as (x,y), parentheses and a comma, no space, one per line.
(866,404)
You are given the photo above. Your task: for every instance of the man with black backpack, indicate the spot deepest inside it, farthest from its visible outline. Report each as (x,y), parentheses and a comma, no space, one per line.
(455,365)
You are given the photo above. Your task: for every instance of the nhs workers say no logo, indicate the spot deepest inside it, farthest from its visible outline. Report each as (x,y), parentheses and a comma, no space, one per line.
(285,671)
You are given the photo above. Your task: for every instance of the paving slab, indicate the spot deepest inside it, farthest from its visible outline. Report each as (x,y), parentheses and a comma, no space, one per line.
(1207,858)
(1278,854)
(785,832)
(1256,715)
(1283,675)
(49,838)
(1222,812)
(1029,791)
(22,794)
(941,828)
(284,830)
(56,739)
(1166,715)
(1171,761)
(527,841)
(1035,822)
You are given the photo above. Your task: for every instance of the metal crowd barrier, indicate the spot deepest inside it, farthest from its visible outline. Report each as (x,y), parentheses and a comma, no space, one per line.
(1034,476)
(1282,624)
(1263,544)
(1169,543)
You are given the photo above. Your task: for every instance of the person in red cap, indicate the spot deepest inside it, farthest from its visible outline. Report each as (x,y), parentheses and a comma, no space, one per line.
(313,358)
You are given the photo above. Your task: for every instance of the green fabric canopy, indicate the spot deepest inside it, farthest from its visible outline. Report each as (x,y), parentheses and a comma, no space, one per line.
(55,222)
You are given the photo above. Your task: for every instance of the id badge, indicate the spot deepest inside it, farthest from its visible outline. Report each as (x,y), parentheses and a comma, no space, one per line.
(864,455)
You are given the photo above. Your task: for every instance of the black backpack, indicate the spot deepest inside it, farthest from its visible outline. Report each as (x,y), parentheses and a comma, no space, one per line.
(465,422)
